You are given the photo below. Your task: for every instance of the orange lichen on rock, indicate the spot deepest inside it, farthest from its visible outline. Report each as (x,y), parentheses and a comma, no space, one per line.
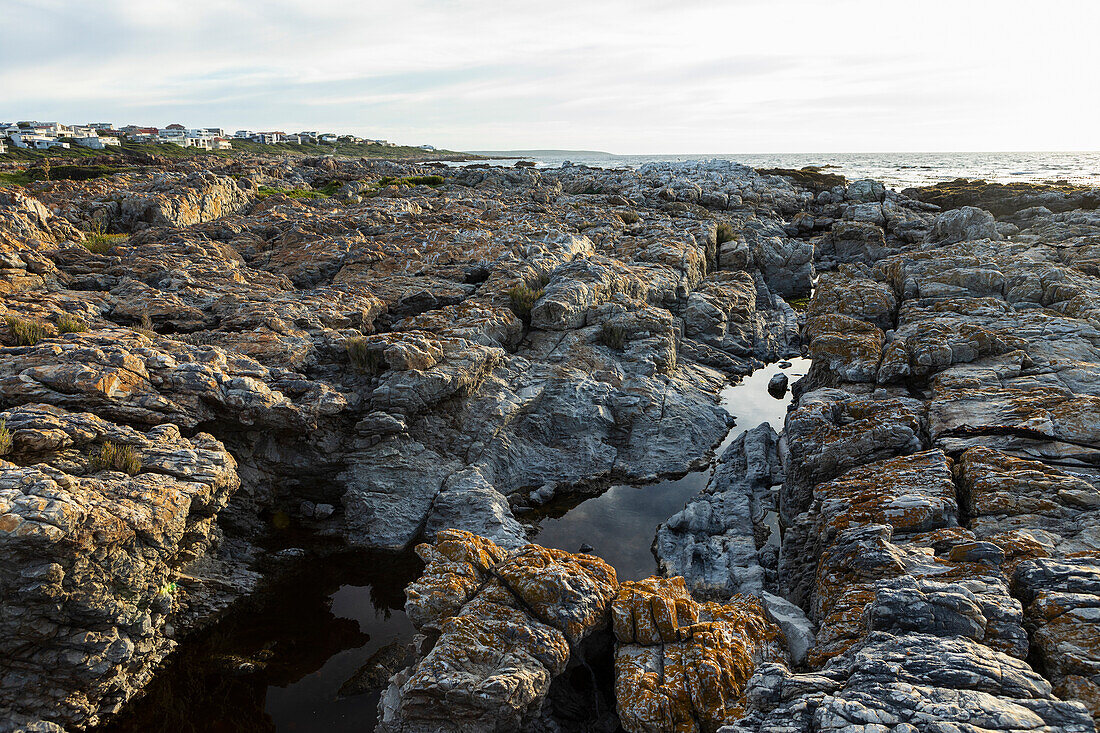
(570,592)
(680,666)
(457,565)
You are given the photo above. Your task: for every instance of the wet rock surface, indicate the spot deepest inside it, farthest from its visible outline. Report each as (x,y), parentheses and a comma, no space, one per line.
(407,365)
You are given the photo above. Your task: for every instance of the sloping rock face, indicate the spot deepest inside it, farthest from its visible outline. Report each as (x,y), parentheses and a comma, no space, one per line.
(1005,199)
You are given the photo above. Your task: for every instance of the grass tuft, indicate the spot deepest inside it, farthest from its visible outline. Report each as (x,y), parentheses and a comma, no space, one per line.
(725,232)
(523,299)
(71,324)
(364,358)
(28,332)
(115,457)
(5,438)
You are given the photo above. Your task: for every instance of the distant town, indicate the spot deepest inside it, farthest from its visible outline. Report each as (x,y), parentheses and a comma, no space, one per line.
(34,135)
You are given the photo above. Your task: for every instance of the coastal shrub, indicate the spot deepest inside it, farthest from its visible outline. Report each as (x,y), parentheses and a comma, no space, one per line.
(523,299)
(364,358)
(329,189)
(115,457)
(725,232)
(145,325)
(5,438)
(28,332)
(612,336)
(629,217)
(71,324)
(97,240)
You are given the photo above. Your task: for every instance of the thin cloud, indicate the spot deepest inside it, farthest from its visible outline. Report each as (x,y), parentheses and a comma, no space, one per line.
(626,76)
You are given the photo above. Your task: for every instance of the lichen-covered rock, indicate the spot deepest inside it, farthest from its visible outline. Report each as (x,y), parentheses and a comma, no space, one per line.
(502,626)
(682,666)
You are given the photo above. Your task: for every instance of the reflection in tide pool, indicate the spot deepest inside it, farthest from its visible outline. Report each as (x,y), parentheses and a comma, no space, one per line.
(620,523)
(276,665)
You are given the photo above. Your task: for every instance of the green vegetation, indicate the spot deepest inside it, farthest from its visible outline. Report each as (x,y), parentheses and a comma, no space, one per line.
(629,217)
(98,241)
(115,457)
(28,332)
(5,438)
(725,232)
(612,336)
(523,299)
(364,358)
(800,303)
(71,324)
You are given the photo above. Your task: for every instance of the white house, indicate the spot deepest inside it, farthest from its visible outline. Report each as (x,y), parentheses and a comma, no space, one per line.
(95,142)
(427,147)
(328,137)
(244,133)
(221,143)
(90,141)
(101,125)
(3,147)
(38,142)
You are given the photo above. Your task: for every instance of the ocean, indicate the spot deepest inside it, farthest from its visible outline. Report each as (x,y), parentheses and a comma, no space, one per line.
(897,170)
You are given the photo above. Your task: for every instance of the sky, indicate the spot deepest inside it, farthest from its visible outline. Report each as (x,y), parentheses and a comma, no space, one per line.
(630,77)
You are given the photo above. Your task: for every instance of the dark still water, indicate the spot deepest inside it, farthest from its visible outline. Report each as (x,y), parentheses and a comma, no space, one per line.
(279,664)
(620,523)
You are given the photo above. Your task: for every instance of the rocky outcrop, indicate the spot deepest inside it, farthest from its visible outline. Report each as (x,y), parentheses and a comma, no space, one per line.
(940,490)
(1004,199)
(98,525)
(170,201)
(398,363)
(681,665)
(500,627)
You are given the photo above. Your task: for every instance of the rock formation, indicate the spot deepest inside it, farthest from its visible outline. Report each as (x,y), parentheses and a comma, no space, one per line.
(199,355)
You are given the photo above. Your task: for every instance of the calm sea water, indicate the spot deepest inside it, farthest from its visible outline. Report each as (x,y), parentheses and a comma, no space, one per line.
(897,170)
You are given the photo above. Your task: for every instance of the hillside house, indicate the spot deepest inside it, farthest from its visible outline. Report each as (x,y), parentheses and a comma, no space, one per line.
(95,141)
(33,141)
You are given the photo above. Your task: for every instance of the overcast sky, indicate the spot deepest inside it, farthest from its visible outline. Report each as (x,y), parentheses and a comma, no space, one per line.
(676,76)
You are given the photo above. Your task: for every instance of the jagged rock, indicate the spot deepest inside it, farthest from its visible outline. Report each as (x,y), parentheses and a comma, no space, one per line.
(505,622)
(960,225)
(94,557)
(714,541)
(682,666)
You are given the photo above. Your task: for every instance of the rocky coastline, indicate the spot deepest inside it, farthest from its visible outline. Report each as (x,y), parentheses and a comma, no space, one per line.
(218,374)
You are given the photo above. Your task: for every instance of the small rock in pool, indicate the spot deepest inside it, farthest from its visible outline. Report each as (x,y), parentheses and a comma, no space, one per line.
(586,548)
(785,365)
(777,387)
